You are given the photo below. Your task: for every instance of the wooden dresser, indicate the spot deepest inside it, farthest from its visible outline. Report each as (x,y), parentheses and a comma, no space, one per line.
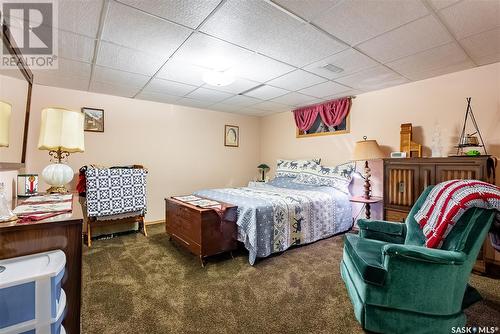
(200,231)
(405,179)
(62,232)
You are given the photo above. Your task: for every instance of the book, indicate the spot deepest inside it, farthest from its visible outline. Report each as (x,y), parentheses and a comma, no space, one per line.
(188,198)
(204,203)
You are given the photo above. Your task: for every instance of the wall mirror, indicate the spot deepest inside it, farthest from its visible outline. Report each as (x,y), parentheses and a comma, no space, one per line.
(15,90)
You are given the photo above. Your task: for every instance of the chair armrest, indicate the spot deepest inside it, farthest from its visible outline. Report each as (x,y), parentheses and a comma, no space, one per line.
(424,254)
(382,230)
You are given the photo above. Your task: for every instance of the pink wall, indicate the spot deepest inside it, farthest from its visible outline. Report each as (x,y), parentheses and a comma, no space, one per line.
(428,104)
(182,147)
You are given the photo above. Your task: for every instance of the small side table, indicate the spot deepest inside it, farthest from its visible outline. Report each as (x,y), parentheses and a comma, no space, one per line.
(366,202)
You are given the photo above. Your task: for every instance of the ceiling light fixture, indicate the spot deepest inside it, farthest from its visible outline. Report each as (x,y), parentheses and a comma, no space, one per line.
(218,78)
(332,68)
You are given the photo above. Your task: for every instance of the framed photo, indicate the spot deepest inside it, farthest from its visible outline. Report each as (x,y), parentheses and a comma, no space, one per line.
(94,119)
(231,135)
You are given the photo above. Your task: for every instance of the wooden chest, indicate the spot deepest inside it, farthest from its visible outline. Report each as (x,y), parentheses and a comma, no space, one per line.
(200,231)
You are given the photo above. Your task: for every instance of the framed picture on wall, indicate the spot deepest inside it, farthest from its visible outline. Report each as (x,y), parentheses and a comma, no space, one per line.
(94,119)
(231,135)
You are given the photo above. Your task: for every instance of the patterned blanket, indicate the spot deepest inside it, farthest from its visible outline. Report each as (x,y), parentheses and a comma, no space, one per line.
(273,218)
(448,201)
(115,190)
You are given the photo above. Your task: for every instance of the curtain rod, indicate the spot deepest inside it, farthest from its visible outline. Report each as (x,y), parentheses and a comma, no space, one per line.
(349,97)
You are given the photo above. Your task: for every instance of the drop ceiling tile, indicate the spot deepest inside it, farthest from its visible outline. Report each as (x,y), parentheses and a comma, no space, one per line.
(193,103)
(142,31)
(208,95)
(187,12)
(357,21)
(271,106)
(81,17)
(419,35)
(52,80)
(439,4)
(352,92)
(489,59)
(76,47)
(180,71)
(121,58)
(66,68)
(211,53)
(429,60)
(470,17)
(238,86)
(295,99)
(118,90)
(266,92)
(169,87)
(225,107)
(157,97)
(371,79)
(350,61)
(241,101)
(260,26)
(324,89)
(433,72)
(483,47)
(307,9)
(119,78)
(296,80)
(261,68)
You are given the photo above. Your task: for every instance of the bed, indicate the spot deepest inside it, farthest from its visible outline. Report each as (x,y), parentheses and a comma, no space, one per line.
(275,216)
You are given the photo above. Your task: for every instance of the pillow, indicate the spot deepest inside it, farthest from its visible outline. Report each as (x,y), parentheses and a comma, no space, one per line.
(338,177)
(292,168)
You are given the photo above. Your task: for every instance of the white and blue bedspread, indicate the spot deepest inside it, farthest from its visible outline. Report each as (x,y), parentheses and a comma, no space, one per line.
(274,216)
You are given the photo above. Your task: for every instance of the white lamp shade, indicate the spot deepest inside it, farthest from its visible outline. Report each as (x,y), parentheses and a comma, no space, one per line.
(5,111)
(367,150)
(61,129)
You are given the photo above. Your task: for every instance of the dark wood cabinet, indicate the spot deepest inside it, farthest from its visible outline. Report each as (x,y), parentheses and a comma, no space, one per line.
(201,231)
(405,179)
(62,232)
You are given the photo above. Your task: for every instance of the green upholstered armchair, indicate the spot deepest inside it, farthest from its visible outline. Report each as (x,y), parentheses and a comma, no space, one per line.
(397,285)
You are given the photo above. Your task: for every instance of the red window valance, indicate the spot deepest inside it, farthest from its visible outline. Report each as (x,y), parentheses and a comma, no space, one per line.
(332,113)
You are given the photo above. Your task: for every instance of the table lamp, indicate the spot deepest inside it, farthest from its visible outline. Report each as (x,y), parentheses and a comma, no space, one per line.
(61,133)
(5,111)
(263,168)
(367,150)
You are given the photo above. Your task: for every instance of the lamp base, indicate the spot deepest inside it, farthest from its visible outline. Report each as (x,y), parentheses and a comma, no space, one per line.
(57,190)
(367,185)
(57,176)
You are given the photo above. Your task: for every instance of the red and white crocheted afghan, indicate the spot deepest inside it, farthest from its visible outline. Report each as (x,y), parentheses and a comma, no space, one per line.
(448,201)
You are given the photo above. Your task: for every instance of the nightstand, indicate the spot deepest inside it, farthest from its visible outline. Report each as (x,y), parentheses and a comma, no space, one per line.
(367,203)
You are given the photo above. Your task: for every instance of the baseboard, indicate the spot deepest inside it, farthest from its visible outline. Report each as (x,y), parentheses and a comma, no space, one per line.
(154,222)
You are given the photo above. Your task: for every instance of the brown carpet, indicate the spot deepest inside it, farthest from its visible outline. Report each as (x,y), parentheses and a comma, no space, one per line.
(134,284)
